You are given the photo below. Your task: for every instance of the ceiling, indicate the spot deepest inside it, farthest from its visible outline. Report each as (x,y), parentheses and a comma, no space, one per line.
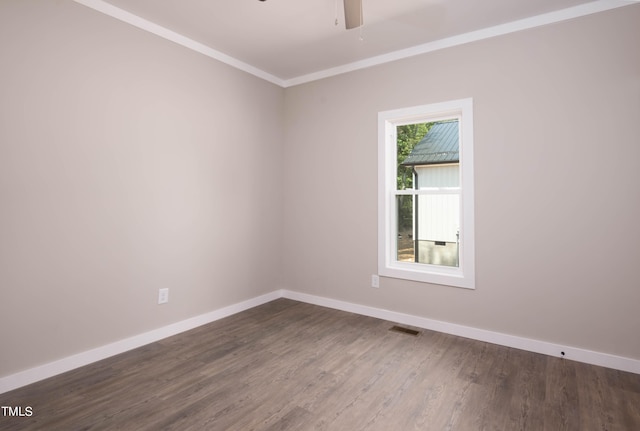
(293,41)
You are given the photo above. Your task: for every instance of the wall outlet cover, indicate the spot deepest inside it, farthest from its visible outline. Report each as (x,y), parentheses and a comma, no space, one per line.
(163,295)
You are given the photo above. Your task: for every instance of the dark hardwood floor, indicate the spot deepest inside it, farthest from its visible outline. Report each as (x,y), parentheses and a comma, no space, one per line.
(292,366)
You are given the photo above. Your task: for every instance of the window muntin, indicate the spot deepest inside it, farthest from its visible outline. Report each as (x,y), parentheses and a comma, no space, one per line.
(435,243)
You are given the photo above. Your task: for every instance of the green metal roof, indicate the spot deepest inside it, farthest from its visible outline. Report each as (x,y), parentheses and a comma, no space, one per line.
(439,145)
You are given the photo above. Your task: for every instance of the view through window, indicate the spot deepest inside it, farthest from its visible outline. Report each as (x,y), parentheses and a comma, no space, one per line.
(429,223)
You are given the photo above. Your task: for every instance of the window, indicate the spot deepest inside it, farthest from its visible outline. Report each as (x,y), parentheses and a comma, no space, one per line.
(425,215)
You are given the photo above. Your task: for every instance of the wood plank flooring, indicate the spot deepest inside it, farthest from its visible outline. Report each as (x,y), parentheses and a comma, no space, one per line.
(292,366)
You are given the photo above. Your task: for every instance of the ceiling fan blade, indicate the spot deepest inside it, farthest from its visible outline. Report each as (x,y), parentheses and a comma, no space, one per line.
(353,13)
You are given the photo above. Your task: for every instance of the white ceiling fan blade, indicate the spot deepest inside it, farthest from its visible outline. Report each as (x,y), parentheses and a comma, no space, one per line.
(353,13)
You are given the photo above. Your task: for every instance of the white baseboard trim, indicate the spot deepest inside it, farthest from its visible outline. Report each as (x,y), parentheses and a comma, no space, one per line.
(531,345)
(69,363)
(60,366)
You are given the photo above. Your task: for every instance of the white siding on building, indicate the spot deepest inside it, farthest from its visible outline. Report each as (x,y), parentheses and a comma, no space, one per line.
(438,176)
(438,214)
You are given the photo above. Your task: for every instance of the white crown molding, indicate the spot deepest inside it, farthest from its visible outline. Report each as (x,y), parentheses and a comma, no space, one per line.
(461,39)
(68,363)
(498,30)
(158,30)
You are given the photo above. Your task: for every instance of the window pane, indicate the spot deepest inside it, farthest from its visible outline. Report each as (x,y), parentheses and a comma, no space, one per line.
(428,225)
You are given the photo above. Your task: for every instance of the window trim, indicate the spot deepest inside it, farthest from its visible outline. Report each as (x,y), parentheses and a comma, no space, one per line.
(388,266)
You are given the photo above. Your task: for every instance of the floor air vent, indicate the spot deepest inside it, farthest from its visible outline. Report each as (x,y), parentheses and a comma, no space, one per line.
(404,330)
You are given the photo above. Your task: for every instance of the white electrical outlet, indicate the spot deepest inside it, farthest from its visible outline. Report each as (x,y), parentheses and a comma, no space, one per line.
(375,280)
(163,295)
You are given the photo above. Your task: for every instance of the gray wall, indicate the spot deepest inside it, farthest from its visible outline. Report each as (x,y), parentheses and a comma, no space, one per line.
(556,116)
(127,164)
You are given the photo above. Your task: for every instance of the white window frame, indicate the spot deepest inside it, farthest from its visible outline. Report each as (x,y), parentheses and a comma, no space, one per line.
(388,265)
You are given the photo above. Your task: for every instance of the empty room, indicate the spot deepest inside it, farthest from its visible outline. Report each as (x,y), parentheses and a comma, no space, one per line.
(319,215)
